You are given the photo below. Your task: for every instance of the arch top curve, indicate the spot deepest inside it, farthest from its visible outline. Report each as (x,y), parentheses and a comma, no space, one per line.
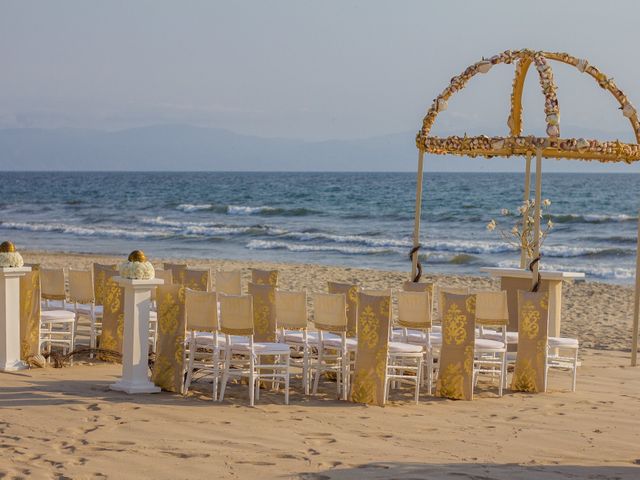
(553,145)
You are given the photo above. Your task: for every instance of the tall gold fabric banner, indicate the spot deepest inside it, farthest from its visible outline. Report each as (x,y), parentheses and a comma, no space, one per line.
(455,377)
(196,279)
(351,292)
(101,273)
(178,271)
(530,374)
(264,312)
(374,319)
(168,371)
(112,316)
(30,313)
(264,277)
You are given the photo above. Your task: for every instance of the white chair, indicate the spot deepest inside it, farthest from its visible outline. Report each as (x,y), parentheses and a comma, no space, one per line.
(202,347)
(53,288)
(82,299)
(292,323)
(57,328)
(330,319)
(229,283)
(556,359)
(491,354)
(243,356)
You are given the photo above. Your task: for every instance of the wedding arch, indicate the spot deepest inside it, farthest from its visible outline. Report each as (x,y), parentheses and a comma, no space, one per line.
(516,144)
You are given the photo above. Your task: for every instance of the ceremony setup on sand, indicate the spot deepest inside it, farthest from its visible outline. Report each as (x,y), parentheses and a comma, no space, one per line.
(148,364)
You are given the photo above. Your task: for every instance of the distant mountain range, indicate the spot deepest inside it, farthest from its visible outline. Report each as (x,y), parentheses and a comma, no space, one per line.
(186,147)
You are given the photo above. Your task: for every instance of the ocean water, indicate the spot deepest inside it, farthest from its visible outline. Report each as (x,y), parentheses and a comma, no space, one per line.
(346,219)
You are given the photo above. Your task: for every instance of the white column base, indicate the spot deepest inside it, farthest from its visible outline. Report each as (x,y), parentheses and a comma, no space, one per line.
(134,387)
(13,366)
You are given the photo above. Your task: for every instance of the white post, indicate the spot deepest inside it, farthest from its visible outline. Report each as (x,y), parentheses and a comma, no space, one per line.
(416,226)
(536,254)
(636,305)
(10,318)
(527,194)
(135,341)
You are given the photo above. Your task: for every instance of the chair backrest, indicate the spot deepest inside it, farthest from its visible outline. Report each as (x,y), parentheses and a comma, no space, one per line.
(236,314)
(177,271)
(414,310)
(351,293)
(264,277)
(102,273)
(455,378)
(167,276)
(453,290)
(374,323)
(81,286)
(201,310)
(378,292)
(229,283)
(330,312)
(530,373)
(52,283)
(418,287)
(491,308)
(291,310)
(264,312)
(197,279)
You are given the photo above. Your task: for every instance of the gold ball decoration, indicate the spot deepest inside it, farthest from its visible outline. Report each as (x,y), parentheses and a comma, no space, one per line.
(7,247)
(137,256)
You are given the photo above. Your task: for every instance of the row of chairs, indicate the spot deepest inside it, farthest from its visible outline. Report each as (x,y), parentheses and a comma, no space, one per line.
(221,339)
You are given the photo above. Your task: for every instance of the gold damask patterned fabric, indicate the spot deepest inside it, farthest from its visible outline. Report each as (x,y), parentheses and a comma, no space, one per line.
(30,313)
(374,319)
(168,369)
(264,277)
(530,374)
(455,377)
(112,316)
(196,279)
(101,273)
(351,293)
(178,271)
(264,312)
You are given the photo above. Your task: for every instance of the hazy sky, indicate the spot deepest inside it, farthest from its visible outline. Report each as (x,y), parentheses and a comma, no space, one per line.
(312,70)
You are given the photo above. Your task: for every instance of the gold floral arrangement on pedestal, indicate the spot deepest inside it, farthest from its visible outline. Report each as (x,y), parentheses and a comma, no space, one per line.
(9,257)
(551,146)
(137,267)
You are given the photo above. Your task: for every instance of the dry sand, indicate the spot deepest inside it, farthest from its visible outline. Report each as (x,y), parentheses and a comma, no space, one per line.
(66,423)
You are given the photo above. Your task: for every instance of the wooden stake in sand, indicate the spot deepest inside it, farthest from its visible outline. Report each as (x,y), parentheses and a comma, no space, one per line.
(636,305)
(527,194)
(536,254)
(416,227)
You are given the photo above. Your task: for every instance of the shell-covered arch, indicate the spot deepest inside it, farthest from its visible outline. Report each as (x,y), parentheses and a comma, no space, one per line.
(553,146)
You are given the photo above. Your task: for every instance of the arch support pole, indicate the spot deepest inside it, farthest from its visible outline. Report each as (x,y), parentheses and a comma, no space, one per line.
(636,305)
(527,195)
(536,220)
(416,225)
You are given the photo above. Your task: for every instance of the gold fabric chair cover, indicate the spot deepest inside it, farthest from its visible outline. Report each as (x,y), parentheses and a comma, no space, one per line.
(374,321)
(168,371)
(112,297)
(455,378)
(418,287)
(530,374)
(177,271)
(264,312)
(30,313)
(264,277)
(196,279)
(101,273)
(229,283)
(351,293)
(52,284)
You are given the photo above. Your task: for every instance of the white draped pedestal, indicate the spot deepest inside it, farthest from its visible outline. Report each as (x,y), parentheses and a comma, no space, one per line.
(135,340)
(10,318)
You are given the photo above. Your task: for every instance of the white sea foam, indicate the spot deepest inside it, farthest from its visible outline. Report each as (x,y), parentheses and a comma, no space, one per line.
(296,247)
(356,239)
(244,210)
(190,207)
(85,231)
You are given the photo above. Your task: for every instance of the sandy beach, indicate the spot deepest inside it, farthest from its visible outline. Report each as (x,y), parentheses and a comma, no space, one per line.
(66,423)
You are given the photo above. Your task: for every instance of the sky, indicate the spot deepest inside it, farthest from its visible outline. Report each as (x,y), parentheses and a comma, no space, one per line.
(305,70)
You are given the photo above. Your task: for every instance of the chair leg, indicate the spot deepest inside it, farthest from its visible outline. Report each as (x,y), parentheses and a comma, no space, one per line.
(429,373)
(305,369)
(216,373)
(575,371)
(418,377)
(345,374)
(316,380)
(225,373)
(286,380)
(252,383)
(192,352)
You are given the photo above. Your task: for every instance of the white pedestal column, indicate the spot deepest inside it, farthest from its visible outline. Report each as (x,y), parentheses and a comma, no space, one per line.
(135,341)
(10,318)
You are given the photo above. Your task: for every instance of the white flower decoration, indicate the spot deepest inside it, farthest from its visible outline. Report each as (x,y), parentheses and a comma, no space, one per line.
(137,270)
(11,260)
